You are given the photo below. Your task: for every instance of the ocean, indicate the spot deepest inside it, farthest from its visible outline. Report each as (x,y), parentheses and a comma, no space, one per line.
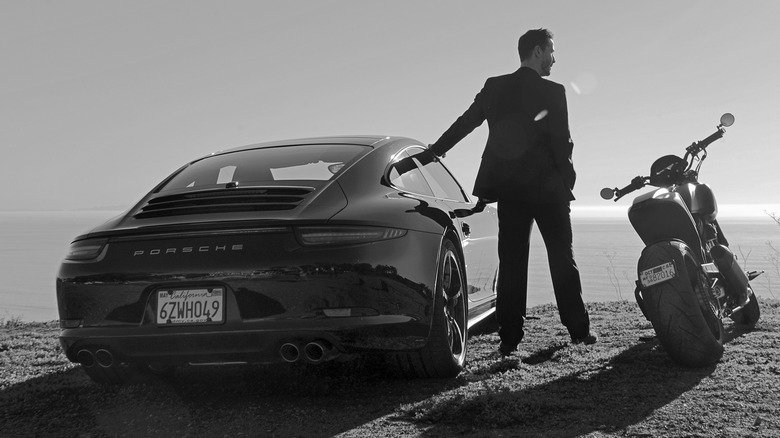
(606,250)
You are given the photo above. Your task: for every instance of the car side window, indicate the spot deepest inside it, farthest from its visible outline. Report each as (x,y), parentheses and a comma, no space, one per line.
(441,181)
(406,175)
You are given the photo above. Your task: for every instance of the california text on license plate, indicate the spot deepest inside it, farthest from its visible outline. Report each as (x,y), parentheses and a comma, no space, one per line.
(190,306)
(656,275)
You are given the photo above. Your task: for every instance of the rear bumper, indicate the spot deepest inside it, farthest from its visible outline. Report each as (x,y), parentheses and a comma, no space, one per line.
(258,342)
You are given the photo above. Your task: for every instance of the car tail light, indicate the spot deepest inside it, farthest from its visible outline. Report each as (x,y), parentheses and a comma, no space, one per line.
(318,236)
(86,249)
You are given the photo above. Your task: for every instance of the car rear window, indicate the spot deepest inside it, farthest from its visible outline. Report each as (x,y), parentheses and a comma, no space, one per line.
(319,162)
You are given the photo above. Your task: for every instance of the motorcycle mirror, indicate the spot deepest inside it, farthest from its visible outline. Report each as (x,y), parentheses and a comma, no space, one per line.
(727,120)
(607,193)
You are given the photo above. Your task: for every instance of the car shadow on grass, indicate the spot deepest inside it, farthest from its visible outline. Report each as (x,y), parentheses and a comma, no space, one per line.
(225,400)
(337,398)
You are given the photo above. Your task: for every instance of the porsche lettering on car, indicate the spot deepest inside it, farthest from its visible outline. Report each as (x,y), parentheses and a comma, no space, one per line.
(188,249)
(291,251)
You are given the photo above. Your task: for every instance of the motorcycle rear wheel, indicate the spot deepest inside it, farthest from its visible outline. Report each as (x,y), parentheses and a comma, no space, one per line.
(686,320)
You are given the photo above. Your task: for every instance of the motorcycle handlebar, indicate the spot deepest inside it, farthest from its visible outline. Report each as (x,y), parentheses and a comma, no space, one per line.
(692,151)
(700,145)
(636,184)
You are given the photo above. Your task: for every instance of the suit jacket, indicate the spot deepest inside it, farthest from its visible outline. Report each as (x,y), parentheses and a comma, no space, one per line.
(528,152)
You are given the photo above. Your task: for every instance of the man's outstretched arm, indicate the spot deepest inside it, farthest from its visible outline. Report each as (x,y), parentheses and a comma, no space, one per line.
(470,120)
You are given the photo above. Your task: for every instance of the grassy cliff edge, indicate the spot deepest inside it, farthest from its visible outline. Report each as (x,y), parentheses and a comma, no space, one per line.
(625,385)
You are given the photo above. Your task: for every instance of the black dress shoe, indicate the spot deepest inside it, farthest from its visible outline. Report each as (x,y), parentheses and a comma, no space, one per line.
(506,349)
(588,339)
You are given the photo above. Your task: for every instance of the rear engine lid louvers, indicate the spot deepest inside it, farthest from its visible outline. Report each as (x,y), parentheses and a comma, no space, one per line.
(231,200)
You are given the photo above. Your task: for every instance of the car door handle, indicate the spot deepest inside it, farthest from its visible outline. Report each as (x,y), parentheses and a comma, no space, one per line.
(466,212)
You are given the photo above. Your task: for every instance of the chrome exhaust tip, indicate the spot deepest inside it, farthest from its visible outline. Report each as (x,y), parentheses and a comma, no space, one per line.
(104,358)
(316,352)
(85,358)
(290,352)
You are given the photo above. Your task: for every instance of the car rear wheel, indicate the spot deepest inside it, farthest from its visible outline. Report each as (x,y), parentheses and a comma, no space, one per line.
(445,352)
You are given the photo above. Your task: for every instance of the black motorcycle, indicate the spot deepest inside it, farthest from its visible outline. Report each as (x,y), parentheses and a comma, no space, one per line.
(688,278)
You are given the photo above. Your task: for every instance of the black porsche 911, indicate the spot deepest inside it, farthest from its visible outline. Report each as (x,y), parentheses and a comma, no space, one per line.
(302,250)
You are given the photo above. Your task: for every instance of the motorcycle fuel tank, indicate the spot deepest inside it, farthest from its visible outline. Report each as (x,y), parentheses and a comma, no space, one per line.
(700,200)
(663,215)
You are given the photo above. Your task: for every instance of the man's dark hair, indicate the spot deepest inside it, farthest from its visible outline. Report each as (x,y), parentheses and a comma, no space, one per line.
(531,39)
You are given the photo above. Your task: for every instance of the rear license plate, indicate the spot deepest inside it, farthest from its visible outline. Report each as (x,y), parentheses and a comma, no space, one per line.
(190,306)
(656,275)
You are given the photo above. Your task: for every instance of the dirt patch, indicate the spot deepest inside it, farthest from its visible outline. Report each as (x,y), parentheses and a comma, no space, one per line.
(624,385)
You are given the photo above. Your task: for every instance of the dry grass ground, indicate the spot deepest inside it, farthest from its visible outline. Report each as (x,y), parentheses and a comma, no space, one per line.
(622,386)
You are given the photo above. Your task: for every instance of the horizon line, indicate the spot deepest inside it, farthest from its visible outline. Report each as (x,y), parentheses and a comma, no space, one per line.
(753,210)
(731,211)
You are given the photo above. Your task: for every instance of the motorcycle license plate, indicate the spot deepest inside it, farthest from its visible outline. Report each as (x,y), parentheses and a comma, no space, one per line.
(190,306)
(656,275)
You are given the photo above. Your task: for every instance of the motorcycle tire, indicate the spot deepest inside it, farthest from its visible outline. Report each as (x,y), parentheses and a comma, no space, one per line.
(750,314)
(686,320)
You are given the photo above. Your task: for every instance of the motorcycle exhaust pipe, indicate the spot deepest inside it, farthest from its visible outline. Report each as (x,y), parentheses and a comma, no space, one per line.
(735,277)
(85,358)
(104,358)
(290,352)
(316,352)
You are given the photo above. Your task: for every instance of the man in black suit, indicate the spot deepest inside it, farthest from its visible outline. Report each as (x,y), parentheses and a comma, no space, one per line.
(526,166)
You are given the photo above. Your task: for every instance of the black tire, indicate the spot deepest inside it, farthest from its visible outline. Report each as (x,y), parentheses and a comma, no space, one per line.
(750,314)
(685,318)
(444,355)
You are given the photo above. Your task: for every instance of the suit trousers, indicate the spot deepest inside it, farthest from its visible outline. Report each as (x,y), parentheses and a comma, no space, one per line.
(516,221)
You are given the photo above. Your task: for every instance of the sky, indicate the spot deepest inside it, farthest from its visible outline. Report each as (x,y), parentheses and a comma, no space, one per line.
(100,100)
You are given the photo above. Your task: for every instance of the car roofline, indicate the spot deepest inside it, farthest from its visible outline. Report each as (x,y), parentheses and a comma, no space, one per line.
(358,140)
(372,141)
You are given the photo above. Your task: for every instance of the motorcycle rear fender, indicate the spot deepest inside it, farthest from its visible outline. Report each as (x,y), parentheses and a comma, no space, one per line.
(675,251)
